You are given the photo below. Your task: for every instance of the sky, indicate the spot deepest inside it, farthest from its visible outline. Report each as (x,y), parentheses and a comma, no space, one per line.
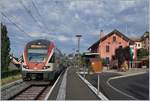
(61,20)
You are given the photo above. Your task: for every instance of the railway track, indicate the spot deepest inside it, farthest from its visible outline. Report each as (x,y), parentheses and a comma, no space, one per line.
(13,88)
(32,92)
(29,90)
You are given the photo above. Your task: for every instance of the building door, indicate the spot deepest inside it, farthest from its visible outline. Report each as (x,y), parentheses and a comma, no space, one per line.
(107,60)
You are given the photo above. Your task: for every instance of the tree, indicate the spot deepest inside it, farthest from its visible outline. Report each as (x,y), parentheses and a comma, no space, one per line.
(142,53)
(127,54)
(5,48)
(122,54)
(119,55)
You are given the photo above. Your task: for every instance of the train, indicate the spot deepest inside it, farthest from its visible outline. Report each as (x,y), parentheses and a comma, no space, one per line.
(42,60)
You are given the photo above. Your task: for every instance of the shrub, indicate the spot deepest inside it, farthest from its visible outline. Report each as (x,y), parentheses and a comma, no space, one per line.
(5,74)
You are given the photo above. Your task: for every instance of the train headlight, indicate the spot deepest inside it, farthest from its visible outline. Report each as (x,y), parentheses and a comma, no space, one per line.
(24,66)
(48,66)
(45,67)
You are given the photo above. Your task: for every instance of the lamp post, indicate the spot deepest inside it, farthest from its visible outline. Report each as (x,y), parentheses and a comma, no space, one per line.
(74,52)
(78,37)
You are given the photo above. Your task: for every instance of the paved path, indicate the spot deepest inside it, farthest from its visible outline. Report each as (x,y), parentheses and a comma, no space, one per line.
(71,87)
(76,89)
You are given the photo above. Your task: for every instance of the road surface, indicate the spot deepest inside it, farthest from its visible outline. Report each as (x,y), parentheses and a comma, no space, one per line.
(128,88)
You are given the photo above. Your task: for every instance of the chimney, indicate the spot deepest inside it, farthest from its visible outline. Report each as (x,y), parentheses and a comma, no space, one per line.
(101,33)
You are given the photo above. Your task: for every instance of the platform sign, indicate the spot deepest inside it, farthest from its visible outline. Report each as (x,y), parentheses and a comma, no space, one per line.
(96,65)
(97,68)
(95,62)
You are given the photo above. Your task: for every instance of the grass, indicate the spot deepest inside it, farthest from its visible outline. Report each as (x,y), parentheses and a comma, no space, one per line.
(10,79)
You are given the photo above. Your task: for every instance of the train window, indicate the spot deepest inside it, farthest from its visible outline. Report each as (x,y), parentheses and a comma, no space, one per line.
(52,60)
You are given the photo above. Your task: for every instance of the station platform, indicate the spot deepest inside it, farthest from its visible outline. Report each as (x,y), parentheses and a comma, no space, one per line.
(71,87)
(76,89)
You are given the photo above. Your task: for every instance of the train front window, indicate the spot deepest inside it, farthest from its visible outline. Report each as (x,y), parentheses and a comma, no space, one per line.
(37,55)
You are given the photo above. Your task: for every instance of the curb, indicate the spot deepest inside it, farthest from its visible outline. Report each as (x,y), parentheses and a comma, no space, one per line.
(62,89)
(49,93)
(100,95)
(127,75)
(113,78)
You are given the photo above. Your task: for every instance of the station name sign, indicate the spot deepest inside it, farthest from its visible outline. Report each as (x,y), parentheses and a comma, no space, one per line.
(37,46)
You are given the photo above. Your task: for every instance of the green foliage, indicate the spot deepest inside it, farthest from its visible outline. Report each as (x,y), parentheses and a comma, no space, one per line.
(5,48)
(123,54)
(10,79)
(142,53)
(104,62)
(5,74)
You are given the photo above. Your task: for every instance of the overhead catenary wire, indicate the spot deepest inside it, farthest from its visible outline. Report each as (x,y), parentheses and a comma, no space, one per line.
(14,23)
(18,26)
(2,16)
(30,13)
(39,14)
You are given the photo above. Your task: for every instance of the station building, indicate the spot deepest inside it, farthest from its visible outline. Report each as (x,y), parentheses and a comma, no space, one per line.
(107,45)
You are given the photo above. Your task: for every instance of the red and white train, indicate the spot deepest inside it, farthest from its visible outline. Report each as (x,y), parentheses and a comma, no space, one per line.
(41,60)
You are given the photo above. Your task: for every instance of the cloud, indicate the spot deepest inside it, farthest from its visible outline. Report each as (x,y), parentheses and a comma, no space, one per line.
(37,34)
(66,18)
(9,5)
(63,38)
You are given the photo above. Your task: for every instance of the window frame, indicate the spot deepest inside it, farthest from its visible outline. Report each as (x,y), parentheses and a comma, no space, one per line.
(114,39)
(107,48)
(52,59)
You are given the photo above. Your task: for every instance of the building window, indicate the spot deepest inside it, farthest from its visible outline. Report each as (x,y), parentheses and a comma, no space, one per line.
(120,46)
(114,38)
(107,48)
(138,45)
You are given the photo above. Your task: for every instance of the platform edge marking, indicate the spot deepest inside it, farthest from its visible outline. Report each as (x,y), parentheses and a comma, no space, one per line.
(100,95)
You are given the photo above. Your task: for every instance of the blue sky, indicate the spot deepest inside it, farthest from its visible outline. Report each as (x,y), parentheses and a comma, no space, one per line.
(61,20)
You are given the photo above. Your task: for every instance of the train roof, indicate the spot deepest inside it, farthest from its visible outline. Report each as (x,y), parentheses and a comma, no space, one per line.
(40,41)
